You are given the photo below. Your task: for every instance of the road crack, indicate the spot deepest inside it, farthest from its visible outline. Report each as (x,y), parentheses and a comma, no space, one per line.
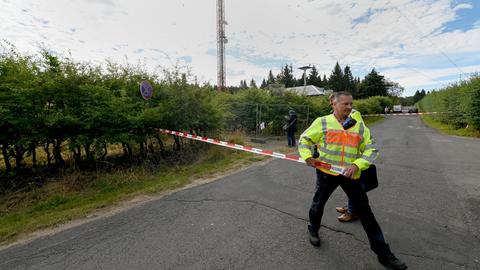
(269,207)
(306,220)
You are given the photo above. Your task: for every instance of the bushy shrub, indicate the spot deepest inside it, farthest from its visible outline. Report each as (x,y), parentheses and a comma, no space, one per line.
(473,104)
(56,104)
(458,103)
(372,105)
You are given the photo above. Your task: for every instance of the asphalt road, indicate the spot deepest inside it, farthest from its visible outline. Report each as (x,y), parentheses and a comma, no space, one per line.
(428,205)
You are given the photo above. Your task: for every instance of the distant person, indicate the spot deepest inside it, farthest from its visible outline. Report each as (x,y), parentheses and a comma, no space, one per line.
(336,147)
(291,127)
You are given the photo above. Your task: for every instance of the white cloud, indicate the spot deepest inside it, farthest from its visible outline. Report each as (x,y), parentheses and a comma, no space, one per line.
(385,34)
(476,24)
(462,6)
(412,77)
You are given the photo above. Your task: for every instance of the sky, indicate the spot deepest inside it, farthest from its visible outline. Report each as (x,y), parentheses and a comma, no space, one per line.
(421,44)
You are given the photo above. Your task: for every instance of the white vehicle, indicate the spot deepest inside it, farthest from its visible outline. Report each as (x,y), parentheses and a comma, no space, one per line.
(397,108)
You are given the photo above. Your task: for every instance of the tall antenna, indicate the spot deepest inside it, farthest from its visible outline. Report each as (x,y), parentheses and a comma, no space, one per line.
(221,40)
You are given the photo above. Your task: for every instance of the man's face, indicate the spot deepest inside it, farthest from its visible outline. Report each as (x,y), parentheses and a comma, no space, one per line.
(343,106)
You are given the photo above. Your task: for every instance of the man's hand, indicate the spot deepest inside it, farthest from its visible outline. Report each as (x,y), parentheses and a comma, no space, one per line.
(310,162)
(350,171)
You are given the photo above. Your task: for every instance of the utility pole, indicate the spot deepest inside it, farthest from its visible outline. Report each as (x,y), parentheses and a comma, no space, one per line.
(304,68)
(221,40)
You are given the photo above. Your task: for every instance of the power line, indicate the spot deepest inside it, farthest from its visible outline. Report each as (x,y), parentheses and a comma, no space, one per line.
(426,37)
(420,72)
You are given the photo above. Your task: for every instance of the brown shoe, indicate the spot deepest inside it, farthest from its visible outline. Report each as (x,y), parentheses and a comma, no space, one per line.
(347,217)
(341,210)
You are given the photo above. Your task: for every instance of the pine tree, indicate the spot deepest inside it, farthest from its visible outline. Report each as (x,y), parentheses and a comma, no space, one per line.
(253,84)
(271,78)
(300,81)
(374,85)
(348,80)
(357,93)
(243,84)
(264,84)
(335,81)
(416,96)
(314,77)
(286,76)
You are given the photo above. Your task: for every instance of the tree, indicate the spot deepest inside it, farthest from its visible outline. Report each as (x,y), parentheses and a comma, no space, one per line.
(374,85)
(418,96)
(301,81)
(20,107)
(286,76)
(243,84)
(336,80)
(473,104)
(253,84)
(62,105)
(348,80)
(314,78)
(264,84)
(320,82)
(394,89)
(271,78)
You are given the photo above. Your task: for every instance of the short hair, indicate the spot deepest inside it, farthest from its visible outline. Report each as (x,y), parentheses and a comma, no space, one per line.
(337,95)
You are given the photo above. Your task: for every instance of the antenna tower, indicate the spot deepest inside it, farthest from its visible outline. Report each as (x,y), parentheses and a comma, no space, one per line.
(221,40)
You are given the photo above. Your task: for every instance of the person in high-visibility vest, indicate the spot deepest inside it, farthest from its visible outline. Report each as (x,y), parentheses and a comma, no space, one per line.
(353,149)
(348,212)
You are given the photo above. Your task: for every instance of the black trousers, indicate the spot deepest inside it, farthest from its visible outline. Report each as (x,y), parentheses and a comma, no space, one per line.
(326,184)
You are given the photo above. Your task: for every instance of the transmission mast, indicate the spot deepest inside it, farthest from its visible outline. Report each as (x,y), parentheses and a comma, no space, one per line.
(221,40)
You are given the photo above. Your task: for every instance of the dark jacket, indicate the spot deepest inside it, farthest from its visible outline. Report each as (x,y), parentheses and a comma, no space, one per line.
(292,123)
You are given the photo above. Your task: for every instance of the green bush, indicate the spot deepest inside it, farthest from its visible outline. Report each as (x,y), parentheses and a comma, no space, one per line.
(458,104)
(473,104)
(372,105)
(57,104)
(77,109)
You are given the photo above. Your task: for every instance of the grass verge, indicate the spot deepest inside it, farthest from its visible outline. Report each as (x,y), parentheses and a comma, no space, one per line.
(81,193)
(372,119)
(448,129)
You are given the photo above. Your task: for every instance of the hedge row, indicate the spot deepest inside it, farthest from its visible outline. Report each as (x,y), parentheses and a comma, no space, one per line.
(459,102)
(59,105)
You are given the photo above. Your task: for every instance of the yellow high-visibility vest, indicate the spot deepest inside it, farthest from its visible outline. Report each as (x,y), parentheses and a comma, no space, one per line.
(338,146)
(356,115)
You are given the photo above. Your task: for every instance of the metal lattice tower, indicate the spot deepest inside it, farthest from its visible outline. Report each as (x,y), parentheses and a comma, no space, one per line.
(221,40)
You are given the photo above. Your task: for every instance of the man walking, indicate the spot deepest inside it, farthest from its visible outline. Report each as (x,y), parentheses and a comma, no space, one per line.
(353,149)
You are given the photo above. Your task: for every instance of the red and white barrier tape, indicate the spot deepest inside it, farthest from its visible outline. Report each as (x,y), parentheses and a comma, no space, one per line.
(318,164)
(401,114)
